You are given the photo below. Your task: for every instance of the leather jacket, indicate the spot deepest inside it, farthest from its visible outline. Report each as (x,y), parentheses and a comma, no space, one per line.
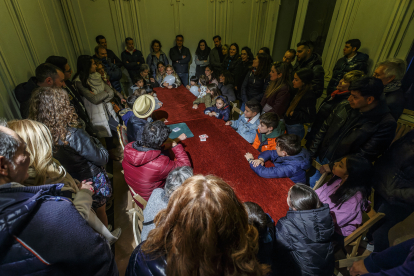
(314,63)
(348,131)
(253,87)
(141,264)
(84,156)
(342,66)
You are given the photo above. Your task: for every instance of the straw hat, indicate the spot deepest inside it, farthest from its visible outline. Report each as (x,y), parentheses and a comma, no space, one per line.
(144,106)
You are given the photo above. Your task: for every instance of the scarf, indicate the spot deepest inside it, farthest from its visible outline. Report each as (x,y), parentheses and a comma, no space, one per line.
(392,86)
(337,92)
(96,82)
(296,100)
(203,55)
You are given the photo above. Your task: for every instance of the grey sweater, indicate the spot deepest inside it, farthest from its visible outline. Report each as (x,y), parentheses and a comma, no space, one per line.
(157,202)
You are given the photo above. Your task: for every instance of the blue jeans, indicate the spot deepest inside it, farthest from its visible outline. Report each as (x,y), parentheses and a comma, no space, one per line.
(243,106)
(317,175)
(184,78)
(297,129)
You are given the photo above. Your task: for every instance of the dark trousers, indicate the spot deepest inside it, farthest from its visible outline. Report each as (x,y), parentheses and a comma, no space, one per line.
(109,140)
(394,213)
(184,78)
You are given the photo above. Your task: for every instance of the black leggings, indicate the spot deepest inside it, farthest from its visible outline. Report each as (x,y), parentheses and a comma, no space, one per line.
(110,140)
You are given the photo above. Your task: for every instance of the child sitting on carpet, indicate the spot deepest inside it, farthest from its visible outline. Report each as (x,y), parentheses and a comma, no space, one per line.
(266,228)
(211,94)
(269,129)
(347,192)
(126,113)
(220,110)
(169,69)
(202,81)
(148,90)
(247,124)
(289,158)
(305,234)
(193,86)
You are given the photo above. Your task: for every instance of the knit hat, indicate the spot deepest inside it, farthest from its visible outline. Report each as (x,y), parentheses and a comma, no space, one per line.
(144,106)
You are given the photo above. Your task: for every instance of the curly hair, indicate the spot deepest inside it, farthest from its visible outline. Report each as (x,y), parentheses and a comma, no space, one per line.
(51,106)
(205,209)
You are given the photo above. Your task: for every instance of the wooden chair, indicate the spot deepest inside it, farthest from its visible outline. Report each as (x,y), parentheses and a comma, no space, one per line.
(235,111)
(137,216)
(324,177)
(122,135)
(404,124)
(355,238)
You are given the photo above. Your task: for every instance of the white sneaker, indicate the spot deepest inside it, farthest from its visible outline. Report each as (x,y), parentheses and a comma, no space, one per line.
(116,233)
(109,227)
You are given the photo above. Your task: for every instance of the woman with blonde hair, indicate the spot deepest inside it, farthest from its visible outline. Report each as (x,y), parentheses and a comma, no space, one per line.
(203,231)
(44,169)
(169,71)
(83,156)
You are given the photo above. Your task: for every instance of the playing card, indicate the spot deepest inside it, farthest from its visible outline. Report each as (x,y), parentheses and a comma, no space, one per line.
(176,129)
(202,139)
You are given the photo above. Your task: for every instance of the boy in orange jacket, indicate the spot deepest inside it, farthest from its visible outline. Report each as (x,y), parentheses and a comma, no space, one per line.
(269,129)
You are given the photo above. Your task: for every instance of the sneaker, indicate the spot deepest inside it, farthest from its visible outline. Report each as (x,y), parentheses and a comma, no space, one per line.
(370,246)
(116,233)
(109,227)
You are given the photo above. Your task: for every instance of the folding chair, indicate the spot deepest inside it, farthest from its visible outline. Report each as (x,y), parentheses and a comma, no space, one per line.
(138,215)
(122,135)
(324,177)
(235,111)
(355,238)
(404,124)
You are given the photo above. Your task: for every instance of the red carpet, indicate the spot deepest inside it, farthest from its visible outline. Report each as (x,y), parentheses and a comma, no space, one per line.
(223,153)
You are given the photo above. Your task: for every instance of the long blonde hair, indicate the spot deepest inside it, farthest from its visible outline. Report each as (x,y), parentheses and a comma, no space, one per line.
(40,147)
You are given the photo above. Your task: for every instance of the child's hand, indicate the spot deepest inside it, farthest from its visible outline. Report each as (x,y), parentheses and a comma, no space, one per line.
(248,156)
(188,87)
(152,80)
(211,114)
(165,84)
(195,106)
(228,123)
(199,90)
(170,86)
(174,143)
(160,104)
(86,185)
(257,162)
(325,168)
(182,137)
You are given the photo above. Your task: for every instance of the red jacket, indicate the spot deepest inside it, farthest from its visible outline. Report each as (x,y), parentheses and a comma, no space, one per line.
(145,171)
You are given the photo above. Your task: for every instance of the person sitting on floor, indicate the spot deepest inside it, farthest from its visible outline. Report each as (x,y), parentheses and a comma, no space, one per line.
(169,71)
(269,129)
(289,158)
(247,124)
(44,169)
(159,197)
(266,228)
(347,192)
(304,243)
(211,94)
(193,83)
(396,260)
(202,82)
(204,231)
(127,112)
(42,232)
(144,72)
(138,83)
(221,110)
(145,168)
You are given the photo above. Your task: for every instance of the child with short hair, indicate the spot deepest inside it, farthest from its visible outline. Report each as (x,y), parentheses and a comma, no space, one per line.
(220,110)
(150,91)
(211,93)
(304,234)
(138,83)
(266,228)
(289,158)
(193,87)
(269,129)
(247,124)
(126,113)
(202,81)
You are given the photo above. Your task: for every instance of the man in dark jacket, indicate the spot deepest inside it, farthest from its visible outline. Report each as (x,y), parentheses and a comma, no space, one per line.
(47,75)
(391,72)
(216,55)
(352,60)
(393,181)
(180,57)
(307,59)
(114,73)
(363,126)
(74,97)
(43,233)
(101,40)
(132,58)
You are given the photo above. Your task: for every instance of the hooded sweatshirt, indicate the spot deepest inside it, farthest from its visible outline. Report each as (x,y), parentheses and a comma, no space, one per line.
(293,166)
(303,243)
